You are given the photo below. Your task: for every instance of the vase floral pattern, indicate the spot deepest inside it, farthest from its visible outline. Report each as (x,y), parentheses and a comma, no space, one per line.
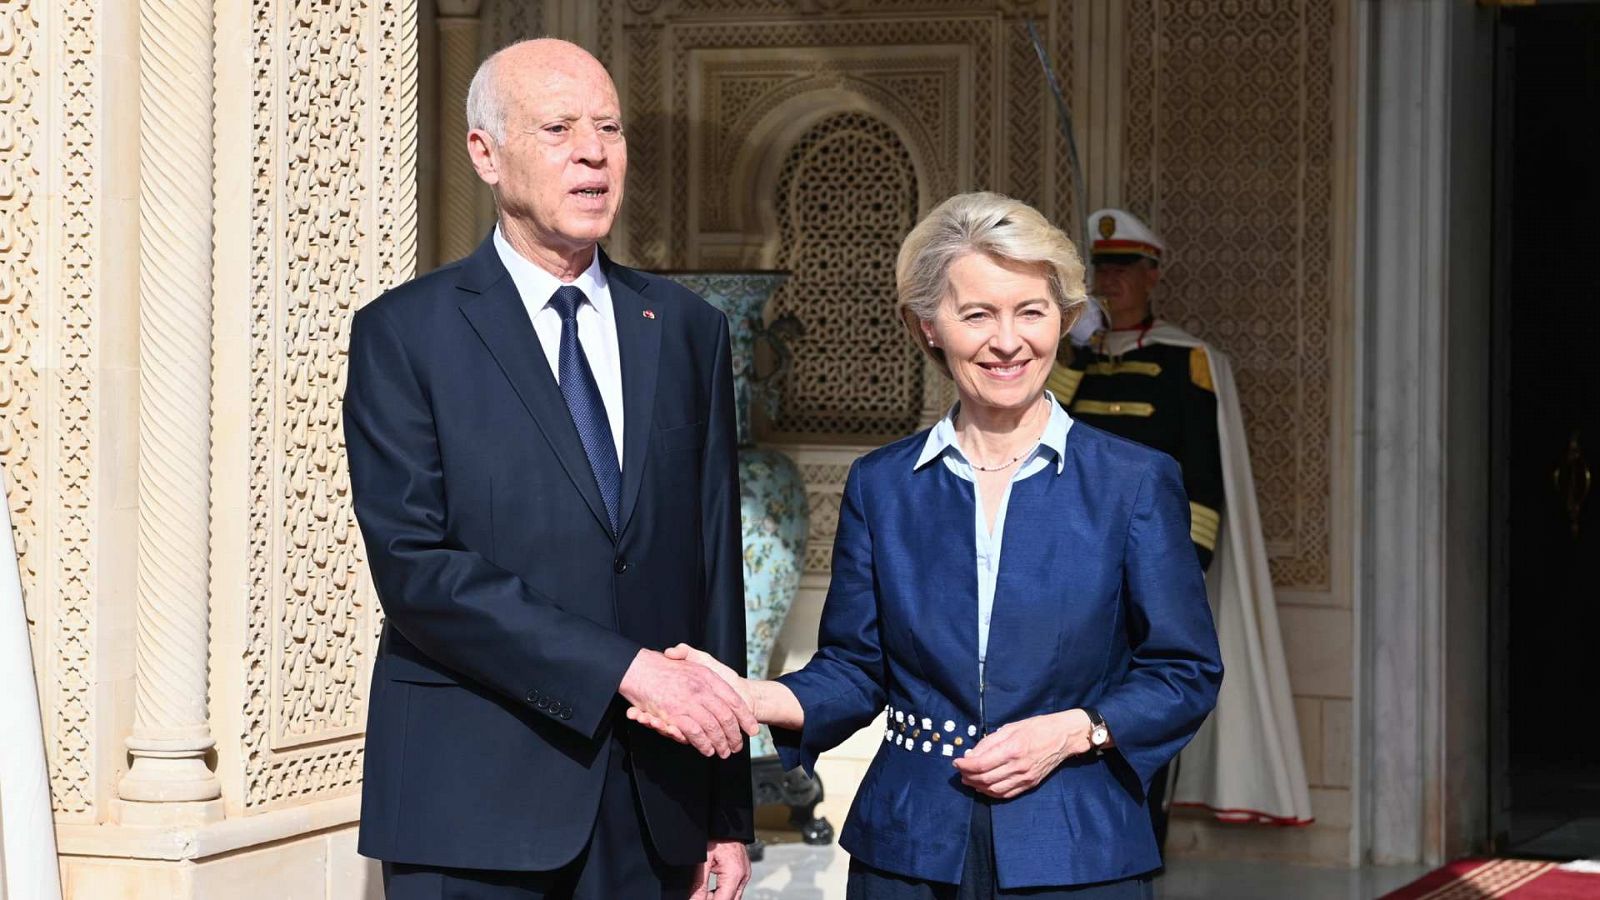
(773,514)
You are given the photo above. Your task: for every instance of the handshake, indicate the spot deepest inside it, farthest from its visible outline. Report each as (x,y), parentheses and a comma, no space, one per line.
(688,695)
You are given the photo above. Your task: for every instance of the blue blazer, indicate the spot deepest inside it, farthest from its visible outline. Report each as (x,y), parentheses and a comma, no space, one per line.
(1100,603)
(512,610)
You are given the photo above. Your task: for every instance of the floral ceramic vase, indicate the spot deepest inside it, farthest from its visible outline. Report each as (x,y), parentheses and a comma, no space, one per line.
(773,518)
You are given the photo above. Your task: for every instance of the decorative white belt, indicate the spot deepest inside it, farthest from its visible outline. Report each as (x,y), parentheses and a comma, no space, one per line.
(912,732)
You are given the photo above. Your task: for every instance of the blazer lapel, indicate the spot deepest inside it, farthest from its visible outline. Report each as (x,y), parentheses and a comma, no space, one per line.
(495,310)
(639,345)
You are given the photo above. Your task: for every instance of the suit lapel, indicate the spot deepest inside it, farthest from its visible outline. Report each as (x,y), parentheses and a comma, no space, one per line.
(639,345)
(494,309)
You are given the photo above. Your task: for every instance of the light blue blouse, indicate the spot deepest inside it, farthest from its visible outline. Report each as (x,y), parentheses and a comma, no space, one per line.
(942,444)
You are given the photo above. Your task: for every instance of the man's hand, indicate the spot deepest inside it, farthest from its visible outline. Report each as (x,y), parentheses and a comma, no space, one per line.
(740,686)
(731,864)
(689,698)
(1015,758)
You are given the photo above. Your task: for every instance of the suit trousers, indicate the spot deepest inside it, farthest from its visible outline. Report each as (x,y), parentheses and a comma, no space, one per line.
(979,880)
(1160,812)
(619,861)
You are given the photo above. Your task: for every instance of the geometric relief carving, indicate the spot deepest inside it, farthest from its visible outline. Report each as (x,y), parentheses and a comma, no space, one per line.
(658,186)
(736,114)
(846,193)
(1228,149)
(647,155)
(1063,208)
(333,224)
(504,22)
(317,629)
(47,313)
(21,296)
(71,531)
(824,491)
(1025,90)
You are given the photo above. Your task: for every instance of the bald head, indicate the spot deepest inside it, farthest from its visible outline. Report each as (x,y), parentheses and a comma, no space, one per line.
(546,136)
(509,72)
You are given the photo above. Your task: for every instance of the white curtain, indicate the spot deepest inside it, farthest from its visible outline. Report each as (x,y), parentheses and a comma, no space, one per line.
(28,869)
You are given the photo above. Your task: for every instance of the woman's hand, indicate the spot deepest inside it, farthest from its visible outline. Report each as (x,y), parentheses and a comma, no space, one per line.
(740,685)
(1016,757)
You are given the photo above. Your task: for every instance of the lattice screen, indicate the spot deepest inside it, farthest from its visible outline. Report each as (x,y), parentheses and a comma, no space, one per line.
(847,194)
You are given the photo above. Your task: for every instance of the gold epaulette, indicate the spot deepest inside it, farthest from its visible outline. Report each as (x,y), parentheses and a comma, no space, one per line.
(1203,524)
(1063,382)
(1200,369)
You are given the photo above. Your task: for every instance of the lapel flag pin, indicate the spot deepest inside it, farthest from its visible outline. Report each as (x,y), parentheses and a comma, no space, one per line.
(649,314)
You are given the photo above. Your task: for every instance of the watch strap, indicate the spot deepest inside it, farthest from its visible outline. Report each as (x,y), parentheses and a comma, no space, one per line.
(1096,723)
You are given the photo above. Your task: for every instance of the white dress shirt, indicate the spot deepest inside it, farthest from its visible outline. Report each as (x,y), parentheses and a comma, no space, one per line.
(597,324)
(942,444)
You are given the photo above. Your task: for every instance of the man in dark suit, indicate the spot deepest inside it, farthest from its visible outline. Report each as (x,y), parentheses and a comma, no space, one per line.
(542,456)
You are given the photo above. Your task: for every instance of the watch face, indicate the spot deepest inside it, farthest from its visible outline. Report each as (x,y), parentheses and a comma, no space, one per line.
(1097,736)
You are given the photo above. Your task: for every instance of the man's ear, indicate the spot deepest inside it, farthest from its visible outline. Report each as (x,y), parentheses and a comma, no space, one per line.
(481,150)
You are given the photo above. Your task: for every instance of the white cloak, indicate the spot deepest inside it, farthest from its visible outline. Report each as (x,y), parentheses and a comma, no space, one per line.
(1245,764)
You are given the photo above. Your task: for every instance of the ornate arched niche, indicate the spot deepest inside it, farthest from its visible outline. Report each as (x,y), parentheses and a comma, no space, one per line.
(748,110)
(845,192)
(822,170)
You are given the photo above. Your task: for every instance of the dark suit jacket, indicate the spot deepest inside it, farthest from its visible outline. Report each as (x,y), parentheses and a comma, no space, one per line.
(1099,603)
(511,610)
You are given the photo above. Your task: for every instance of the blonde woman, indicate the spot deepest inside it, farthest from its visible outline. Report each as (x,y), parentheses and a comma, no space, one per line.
(1016,590)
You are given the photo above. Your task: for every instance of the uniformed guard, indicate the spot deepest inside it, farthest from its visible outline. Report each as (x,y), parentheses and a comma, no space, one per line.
(1157,393)
(1149,381)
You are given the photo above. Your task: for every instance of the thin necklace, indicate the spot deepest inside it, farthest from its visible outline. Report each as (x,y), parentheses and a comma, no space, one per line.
(1010,462)
(1006,465)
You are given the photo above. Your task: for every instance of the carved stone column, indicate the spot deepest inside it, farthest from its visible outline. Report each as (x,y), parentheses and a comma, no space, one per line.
(171,738)
(458,183)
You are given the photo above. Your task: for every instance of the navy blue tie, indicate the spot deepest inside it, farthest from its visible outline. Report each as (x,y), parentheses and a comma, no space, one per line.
(588,411)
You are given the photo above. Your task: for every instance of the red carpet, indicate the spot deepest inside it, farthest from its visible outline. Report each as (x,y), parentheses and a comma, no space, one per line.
(1518,879)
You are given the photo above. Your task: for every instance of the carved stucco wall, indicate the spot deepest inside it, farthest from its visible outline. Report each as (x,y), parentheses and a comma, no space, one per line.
(333,223)
(332,220)
(846,190)
(49,307)
(1228,150)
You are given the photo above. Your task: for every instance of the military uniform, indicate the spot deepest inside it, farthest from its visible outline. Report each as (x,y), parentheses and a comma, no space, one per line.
(1165,388)
(1161,396)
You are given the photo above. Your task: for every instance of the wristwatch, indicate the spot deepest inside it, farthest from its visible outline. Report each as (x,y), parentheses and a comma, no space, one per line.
(1099,734)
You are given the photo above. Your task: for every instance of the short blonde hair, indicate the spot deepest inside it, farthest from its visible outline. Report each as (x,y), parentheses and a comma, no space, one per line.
(982,222)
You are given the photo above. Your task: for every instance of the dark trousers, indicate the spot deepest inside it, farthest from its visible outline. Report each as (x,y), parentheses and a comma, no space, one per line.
(620,861)
(979,880)
(1158,806)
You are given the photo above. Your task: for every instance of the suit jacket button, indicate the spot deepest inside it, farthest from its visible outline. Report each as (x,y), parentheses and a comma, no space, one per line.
(620,566)
(566,712)
(533,696)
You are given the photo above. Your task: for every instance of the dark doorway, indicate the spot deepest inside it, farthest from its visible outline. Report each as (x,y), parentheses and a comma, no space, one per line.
(1546,629)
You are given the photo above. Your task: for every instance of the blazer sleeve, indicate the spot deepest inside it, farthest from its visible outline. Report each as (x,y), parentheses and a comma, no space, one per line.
(842,688)
(1176,668)
(732,816)
(461,610)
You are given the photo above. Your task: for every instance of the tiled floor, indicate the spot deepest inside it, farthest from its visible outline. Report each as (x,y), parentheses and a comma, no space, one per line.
(798,872)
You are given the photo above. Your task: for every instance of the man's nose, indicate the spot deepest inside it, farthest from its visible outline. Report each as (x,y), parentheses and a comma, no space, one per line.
(587,146)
